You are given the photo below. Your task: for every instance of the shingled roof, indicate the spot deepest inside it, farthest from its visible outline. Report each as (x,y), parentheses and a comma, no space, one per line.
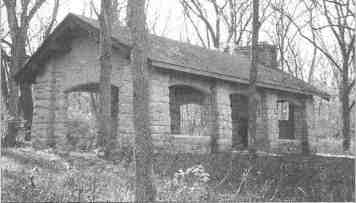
(171,54)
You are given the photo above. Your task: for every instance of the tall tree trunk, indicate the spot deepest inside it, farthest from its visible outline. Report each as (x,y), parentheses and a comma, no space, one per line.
(345,106)
(144,188)
(1,88)
(18,20)
(105,20)
(252,100)
(18,58)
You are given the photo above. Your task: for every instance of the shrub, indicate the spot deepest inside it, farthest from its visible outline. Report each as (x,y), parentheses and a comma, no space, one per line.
(187,185)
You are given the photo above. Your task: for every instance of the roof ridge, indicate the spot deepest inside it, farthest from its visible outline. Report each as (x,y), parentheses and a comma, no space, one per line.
(126,28)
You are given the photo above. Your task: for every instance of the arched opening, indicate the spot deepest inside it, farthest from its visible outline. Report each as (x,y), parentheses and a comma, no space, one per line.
(239,118)
(82,113)
(188,110)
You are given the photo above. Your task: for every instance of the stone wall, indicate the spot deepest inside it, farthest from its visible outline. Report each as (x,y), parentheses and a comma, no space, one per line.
(41,111)
(224,117)
(302,113)
(78,67)
(159,108)
(81,66)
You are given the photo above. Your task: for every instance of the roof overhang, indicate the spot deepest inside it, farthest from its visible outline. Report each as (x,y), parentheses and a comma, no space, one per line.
(197,71)
(66,30)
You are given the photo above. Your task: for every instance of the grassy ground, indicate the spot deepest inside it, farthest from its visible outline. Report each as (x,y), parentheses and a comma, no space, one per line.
(29,175)
(43,176)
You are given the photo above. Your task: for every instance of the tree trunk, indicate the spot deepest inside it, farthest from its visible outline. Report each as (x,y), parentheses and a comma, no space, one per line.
(105,19)
(18,22)
(26,105)
(252,101)
(2,103)
(18,58)
(345,106)
(144,188)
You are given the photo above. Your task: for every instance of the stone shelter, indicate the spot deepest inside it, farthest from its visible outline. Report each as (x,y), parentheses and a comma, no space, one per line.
(198,96)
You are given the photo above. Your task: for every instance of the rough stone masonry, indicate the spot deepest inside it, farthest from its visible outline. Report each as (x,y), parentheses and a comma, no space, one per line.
(220,97)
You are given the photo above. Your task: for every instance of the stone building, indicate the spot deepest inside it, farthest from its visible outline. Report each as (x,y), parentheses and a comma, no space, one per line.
(197,96)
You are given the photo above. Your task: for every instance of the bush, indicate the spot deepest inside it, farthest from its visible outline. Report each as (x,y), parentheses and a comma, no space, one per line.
(187,185)
(99,183)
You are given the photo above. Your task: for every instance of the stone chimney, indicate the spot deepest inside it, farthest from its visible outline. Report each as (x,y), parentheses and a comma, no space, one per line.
(267,54)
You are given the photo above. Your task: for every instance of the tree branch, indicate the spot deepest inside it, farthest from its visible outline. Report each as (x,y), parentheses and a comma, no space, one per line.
(34,9)
(53,19)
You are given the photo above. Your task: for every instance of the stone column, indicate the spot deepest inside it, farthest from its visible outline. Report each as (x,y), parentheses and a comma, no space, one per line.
(272,120)
(125,115)
(308,123)
(211,102)
(223,106)
(59,104)
(262,140)
(41,94)
(48,128)
(51,141)
(159,108)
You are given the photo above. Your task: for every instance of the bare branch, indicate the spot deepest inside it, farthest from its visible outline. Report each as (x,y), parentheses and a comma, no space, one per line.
(92,7)
(34,9)
(53,19)
(311,41)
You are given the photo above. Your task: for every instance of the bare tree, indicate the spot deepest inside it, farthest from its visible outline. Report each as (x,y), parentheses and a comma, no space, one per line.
(252,98)
(144,188)
(18,20)
(212,19)
(337,19)
(105,21)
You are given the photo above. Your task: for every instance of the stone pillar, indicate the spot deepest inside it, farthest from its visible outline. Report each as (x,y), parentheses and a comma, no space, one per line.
(41,94)
(272,120)
(49,129)
(309,110)
(125,115)
(61,105)
(262,140)
(159,108)
(51,141)
(57,129)
(211,102)
(223,106)
(308,123)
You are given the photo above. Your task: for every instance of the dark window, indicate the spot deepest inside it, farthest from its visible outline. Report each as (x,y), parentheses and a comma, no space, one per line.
(285,120)
(188,111)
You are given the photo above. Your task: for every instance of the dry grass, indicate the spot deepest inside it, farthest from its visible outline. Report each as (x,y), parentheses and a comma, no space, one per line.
(30,175)
(38,176)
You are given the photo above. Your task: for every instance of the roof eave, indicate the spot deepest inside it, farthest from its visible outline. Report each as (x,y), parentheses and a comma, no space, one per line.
(197,71)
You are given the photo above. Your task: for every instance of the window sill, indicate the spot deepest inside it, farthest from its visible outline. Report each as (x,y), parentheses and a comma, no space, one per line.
(288,140)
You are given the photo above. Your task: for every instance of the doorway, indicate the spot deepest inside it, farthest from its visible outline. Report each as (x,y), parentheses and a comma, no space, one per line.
(239,117)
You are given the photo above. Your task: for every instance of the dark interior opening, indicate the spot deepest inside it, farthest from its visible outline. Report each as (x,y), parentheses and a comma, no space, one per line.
(239,117)
(188,110)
